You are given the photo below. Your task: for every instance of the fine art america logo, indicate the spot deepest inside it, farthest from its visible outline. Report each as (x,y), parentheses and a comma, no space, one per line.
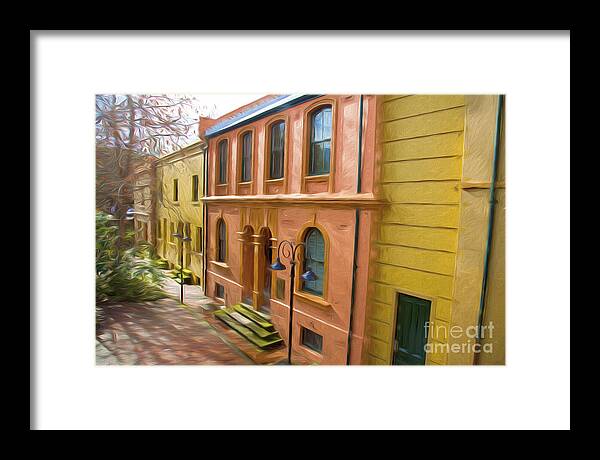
(473,334)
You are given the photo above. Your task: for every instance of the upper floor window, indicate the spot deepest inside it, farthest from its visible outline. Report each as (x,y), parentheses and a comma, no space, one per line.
(222,167)
(221,241)
(175,189)
(314,259)
(195,188)
(320,142)
(246,167)
(277,135)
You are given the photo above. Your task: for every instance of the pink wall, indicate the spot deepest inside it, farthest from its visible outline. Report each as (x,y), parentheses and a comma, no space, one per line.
(345,144)
(328,316)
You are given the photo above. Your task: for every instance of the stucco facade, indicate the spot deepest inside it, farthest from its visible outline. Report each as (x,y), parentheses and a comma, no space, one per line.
(179,208)
(261,212)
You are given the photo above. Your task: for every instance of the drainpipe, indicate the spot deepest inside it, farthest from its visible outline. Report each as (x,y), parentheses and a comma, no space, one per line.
(492,201)
(360,129)
(205,219)
(356,225)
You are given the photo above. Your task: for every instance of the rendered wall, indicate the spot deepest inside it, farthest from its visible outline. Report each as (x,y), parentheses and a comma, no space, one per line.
(181,166)
(481,121)
(328,315)
(289,205)
(495,297)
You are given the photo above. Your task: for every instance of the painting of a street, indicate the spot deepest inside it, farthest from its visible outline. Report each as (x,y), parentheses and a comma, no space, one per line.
(300,229)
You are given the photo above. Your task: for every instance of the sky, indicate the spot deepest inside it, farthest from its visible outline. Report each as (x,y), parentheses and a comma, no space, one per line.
(224,103)
(211,105)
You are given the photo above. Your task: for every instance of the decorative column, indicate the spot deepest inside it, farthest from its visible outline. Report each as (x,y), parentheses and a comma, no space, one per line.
(246,265)
(259,242)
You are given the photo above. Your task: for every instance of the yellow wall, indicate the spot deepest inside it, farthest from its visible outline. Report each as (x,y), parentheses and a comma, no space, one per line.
(422,148)
(181,165)
(425,140)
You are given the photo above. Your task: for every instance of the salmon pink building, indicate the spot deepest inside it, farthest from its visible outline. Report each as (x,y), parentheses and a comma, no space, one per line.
(300,168)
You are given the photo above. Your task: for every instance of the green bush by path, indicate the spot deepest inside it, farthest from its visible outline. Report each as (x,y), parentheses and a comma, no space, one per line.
(122,272)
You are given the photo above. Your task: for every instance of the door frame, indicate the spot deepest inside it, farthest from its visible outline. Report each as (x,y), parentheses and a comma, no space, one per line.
(432,310)
(247,259)
(265,234)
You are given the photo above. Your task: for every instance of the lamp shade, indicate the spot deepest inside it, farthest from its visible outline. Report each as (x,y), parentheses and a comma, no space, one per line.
(309,275)
(277,265)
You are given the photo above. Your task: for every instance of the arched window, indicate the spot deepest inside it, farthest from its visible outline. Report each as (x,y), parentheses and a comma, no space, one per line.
(320,142)
(222,167)
(246,167)
(221,241)
(277,146)
(314,259)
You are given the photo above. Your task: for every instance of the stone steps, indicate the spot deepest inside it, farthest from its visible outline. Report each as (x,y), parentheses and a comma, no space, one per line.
(251,325)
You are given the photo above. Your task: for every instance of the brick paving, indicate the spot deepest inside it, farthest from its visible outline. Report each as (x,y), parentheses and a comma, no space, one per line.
(166,332)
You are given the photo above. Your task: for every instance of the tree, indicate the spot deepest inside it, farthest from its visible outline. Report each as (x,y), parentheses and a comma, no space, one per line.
(129,128)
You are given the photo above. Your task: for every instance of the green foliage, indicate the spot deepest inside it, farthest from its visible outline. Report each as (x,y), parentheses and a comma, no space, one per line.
(124,271)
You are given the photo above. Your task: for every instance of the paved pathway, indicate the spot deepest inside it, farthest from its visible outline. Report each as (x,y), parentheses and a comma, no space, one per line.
(166,332)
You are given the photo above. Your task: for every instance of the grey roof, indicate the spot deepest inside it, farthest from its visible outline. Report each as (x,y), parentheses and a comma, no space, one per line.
(261,109)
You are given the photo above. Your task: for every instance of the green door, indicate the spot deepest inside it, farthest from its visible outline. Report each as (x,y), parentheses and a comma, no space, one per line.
(411,330)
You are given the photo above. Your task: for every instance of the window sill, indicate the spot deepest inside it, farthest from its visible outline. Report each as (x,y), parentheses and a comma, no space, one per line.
(196,253)
(317,178)
(245,183)
(318,301)
(196,202)
(311,352)
(222,185)
(274,181)
(219,264)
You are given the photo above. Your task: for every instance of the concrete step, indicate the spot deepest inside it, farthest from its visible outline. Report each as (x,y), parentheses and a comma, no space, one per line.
(177,274)
(254,316)
(249,334)
(263,314)
(261,332)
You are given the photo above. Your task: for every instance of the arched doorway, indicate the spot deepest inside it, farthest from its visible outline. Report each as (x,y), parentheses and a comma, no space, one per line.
(266,258)
(247,265)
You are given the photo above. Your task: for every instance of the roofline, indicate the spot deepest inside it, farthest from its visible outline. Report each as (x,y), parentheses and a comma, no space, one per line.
(270,109)
(185,151)
(241,108)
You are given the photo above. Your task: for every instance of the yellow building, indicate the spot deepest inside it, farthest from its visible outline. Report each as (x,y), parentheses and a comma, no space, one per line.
(179,209)
(436,248)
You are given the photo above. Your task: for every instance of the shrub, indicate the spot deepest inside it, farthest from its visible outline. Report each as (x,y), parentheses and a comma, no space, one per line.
(124,273)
